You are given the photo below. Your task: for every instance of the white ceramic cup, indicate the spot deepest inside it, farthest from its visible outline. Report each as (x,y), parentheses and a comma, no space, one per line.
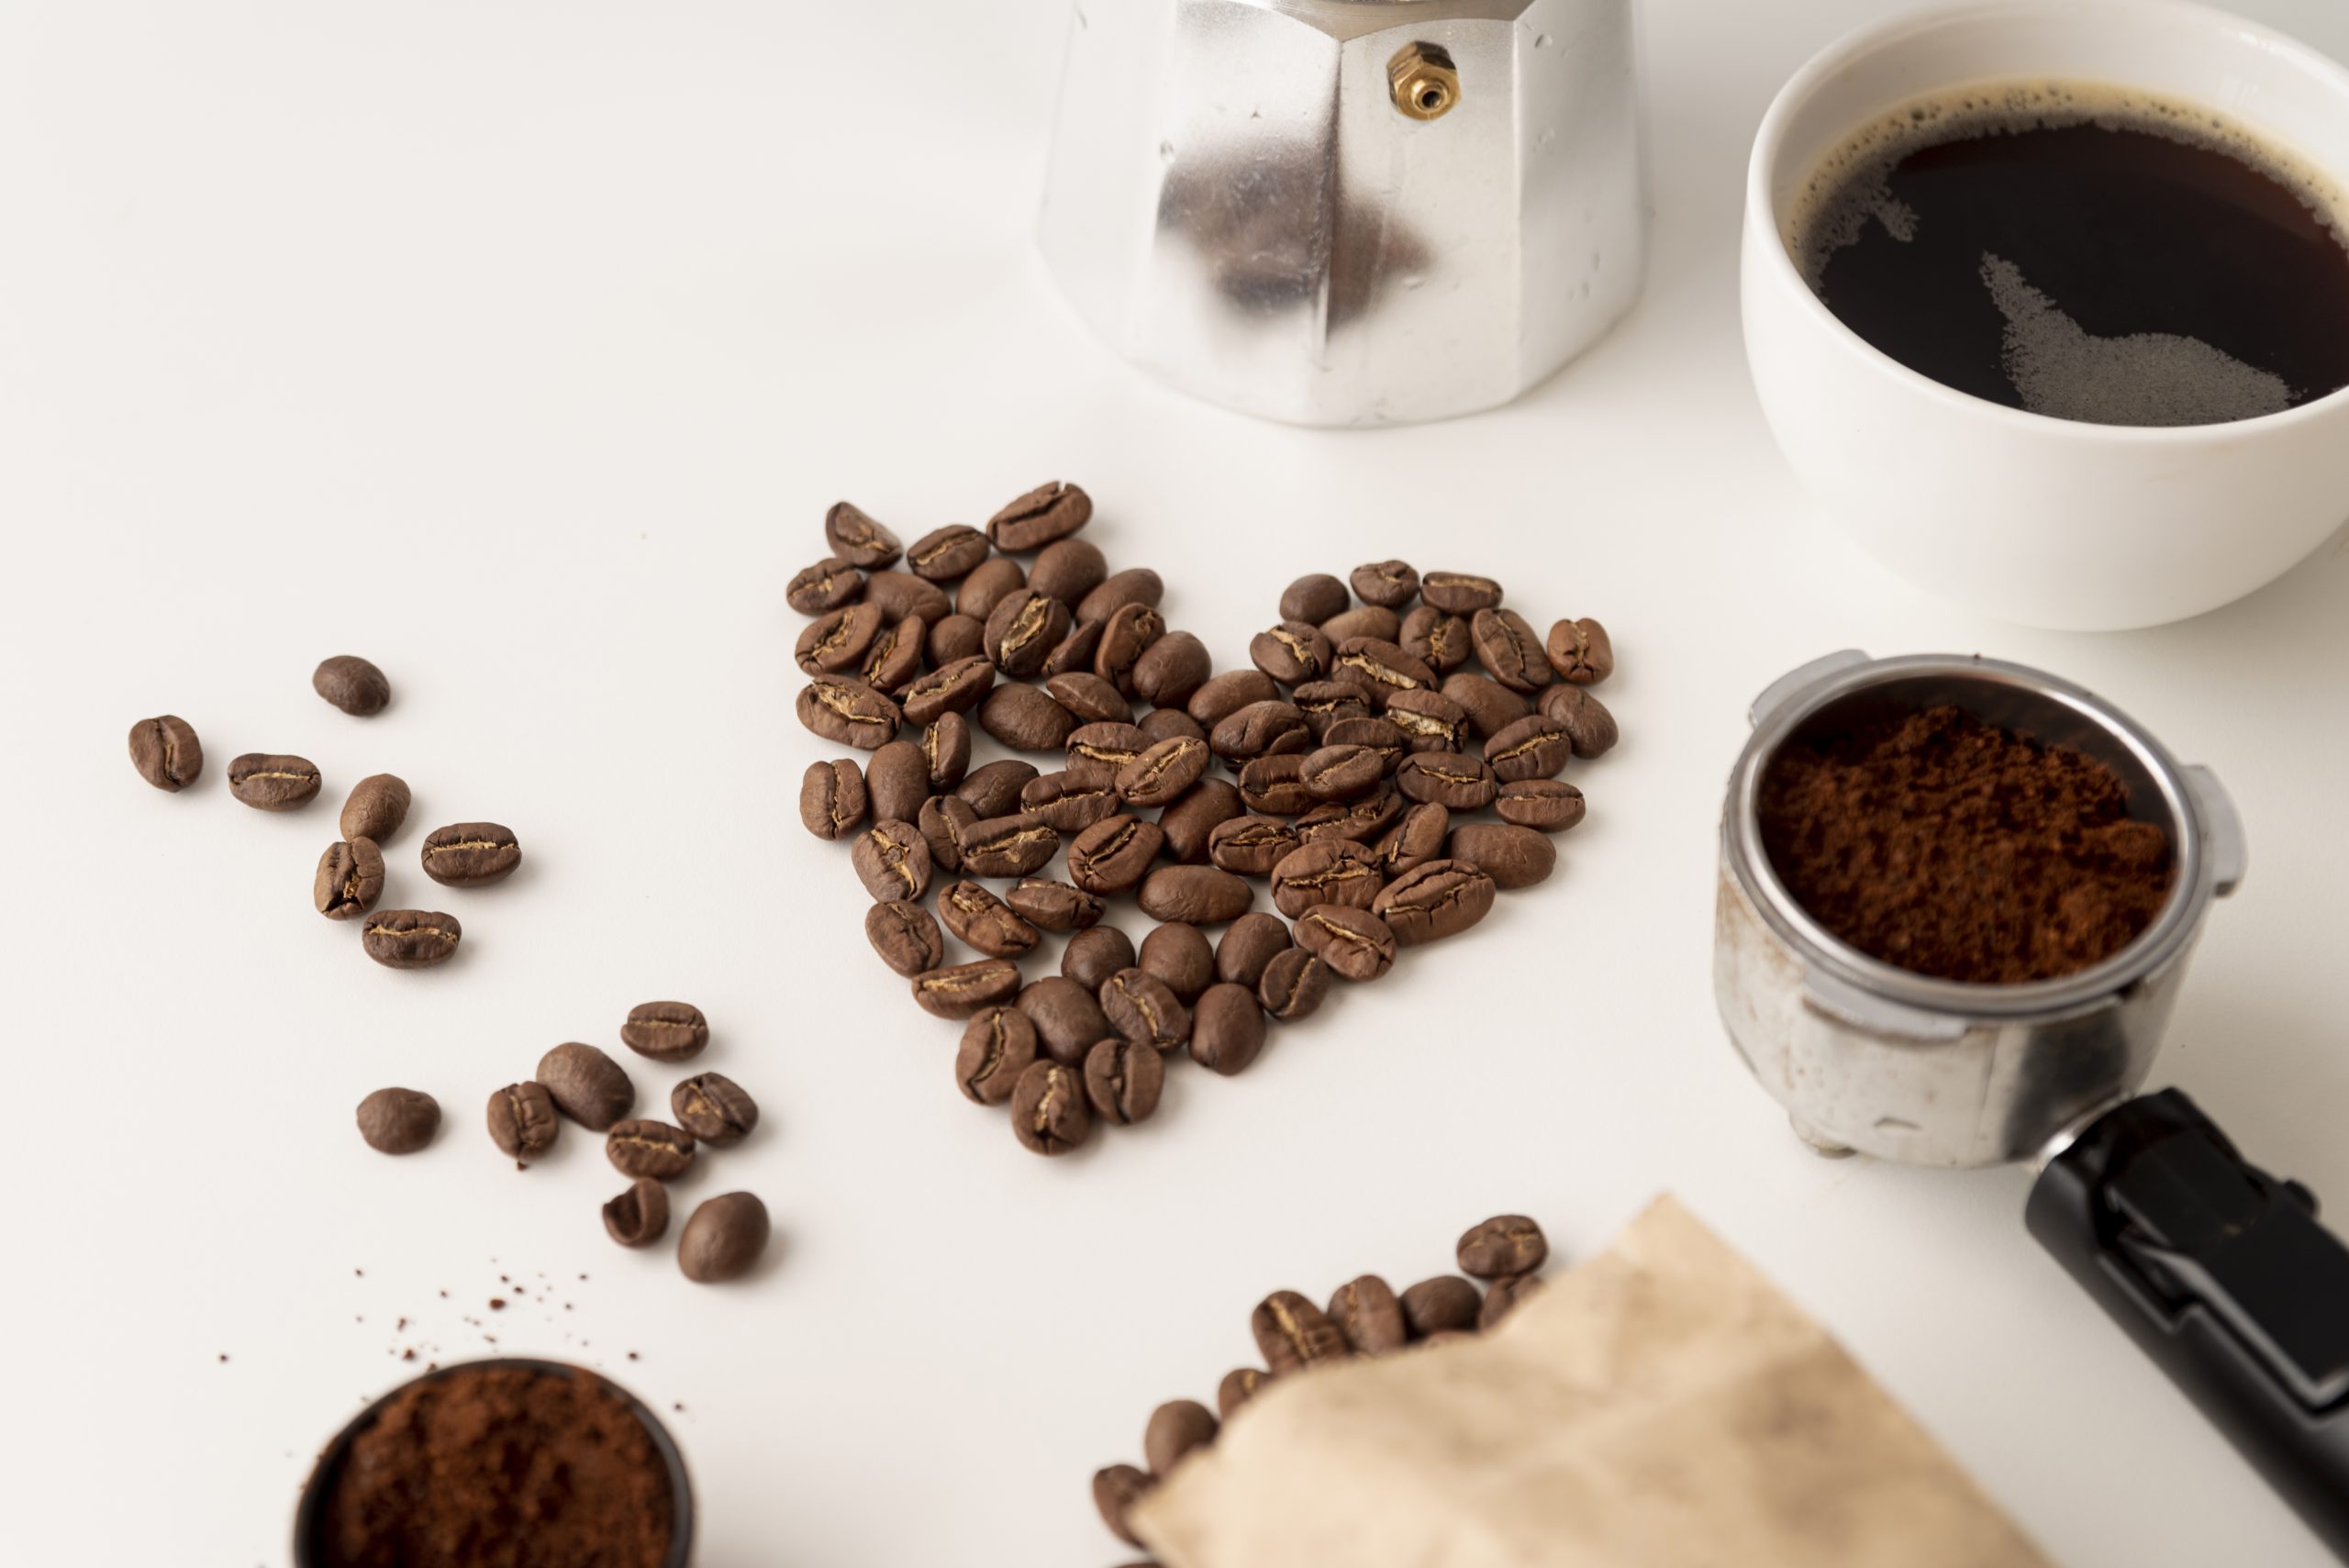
(2045,521)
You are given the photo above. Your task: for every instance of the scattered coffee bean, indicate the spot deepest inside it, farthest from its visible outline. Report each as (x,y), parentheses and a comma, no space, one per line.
(1292,652)
(856,538)
(376,807)
(587,1085)
(894,657)
(988,584)
(1583,717)
(1172,670)
(1226,1029)
(523,1122)
(1439,640)
(1008,846)
(1092,699)
(837,642)
(946,748)
(1094,955)
(1445,1304)
(1341,771)
(1356,944)
(1331,871)
(825,587)
(1123,1081)
(409,939)
(942,555)
(1356,821)
(166,752)
(998,1044)
(1505,1244)
(1533,747)
(1126,636)
(666,1031)
(960,990)
(896,781)
(1548,805)
(1180,956)
(350,878)
(1366,1311)
(1189,823)
(724,1238)
(984,921)
(1053,906)
(943,820)
(848,712)
(1512,856)
(353,684)
(1047,513)
(957,687)
(270,783)
(1248,946)
(994,790)
(1292,1333)
(1142,1008)
(1067,1016)
(1075,652)
(1489,707)
(1068,803)
(1161,774)
(1241,1385)
(1113,855)
(1261,729)
(901,594)
(398,1121)
(1390,585)
(1050,1113)
(1416,838)
(716,1110)
(1175,1429)
(954,637)
(1439,900)
(1222,696)
(892,862)
(1197,895)
(832,801)
(1135,585)
(1294,985)
(1511,650)
(642,1147)
(1452,780)
(1504,1296)
(1251,846)
(640,1215)
(471,854)
(1275,786)
(1459,593)
(1069,569)
(1380,668)
(1023,629)
(1103,749)
(1025,719)
(1116,1489)
(1362,620)
(1580,651)
(1314,597)
(906,936)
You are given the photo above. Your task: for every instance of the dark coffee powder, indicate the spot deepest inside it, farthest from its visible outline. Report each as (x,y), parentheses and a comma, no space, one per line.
(501,1467)
(1953,848)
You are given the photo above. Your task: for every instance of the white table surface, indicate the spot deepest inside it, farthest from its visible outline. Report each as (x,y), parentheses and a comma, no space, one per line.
(520,347)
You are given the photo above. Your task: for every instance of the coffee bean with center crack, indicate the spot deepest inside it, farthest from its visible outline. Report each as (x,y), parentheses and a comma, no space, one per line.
(1275,786)
(376,807)
(1123,1081)
(1141,1008)
(409,939)
(1114,854)
(1314,597)
(1366,1311)
(1050,1113)
(587,1085)
(892,861)
(724,1238)
(1445,1304)
(836,642)
(1328,704)
(166,752)
(1295,984)
(642,1147)
(906,936)
(1053,906)
(1241,1385)
(1512,856)
(666,1031)
(1583,717)
(1251,846)
(1135,585)
(1180,956)
(1511,650)
(1442,642)
(856,538)
(1356,821)
(1292,1333)
(942,821)
(1292,652)
(945,745)
(1227,1027)
(848,712)
(1439,900)
(1197,895)
(1249,946)
(1581,651)
(998,1044)
(1547,806)
(1451,779)
(716,1110)
(1331,871)
(267,781)
(640,1215)
(1008,846)
(522,1121)
(1430,721)
(1341,772)
(1067,802)
(1074,655)
(1380,668)
(957,687)
(825,587)
(988,584)
(1175,1429)
(1103,748)
(350,878)
(1459,593)
(960,990)
(1067,1016)
(471,854)
(353,684)
(1505,1244)
(1161,775)
(1094,955)
(994,790)
(398,1121)
(1533,748)
(1050,511)
(1416,838)
(1116,1489)
(942,555)
(1388,584)
(1356,943)
(896,781)
(1091,698)
(1125,638)
(984,921)
(1022,630)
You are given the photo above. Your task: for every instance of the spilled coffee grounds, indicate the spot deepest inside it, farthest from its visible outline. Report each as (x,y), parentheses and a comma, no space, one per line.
(495,1467)
(1953,848)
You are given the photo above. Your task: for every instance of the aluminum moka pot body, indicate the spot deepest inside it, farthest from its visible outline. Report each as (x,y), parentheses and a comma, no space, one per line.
(1349,212)
(1871,1058)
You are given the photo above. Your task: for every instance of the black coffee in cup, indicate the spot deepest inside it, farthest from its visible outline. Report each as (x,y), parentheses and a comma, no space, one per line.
(2083,251)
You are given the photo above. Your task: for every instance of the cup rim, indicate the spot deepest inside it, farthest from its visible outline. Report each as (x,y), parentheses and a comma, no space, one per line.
(1841,54)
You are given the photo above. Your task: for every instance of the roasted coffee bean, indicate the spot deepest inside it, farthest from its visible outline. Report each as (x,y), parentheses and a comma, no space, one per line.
(1275,786)
(896,781)
(398,1121)
(522,1121)
(353,684)
(1439,640)
(1172,669)
(1114,854)
(1505,1244)
(1008,846)
(1251,846)
(350,878)
(942,821)
(724,1238)
(1380,668)
(1095,953)
(666,1031)
(1446,1304)
(847,711)
(1292,1333)
(1025,719)
(1367,1313)
(1430,721)
(1175,1429)
(1067,1016)
(1142,1008)
(1250,945)
(640,1215)
(1460,593)
(1050,511)
(1116,1489)
(1190,822)
(1195,895)
(901,594)
(1100,750)
(377,807)
(1413,840)
(894,657)
(1503,1296)
(1292,652)
(1511,650)
(1548,805)
(836,642)
(1583,717)
(269,782)
(1342,773)
(1356,944)
(1125,638)
(1053,906)
(999,1043)
(984,921)
(1442,898)
(955,688)
(994,790)
(1022,630)
(855,538)
(1170,723)
(1358,821)
(642,1147)
(1328,704)
(945,745)
(1294,985)
(1123,1081)
(1135,585)
(1388,584)
(825,587)
(1066,803)
(471,854)
(1074,653)
(1379,735)
(1049,1112)
(1225,694)
(906,936)
(1068,569)
(1580,651)
(1512,856)
(960,990)
(892,861)
(409,939)
(989,584)
(1160,775)
(1532,748)
(714,1109)
(1261,729)
(955,637)
(1362,620)
(1314,597)
(1091,698)
(942,555)
(1451,779)
(1226,1029)
(1180,956)
(587,1085)
(1331,871)
(1241,1385)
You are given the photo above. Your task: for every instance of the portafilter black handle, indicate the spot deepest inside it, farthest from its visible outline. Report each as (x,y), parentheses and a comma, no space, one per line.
(2221,1273)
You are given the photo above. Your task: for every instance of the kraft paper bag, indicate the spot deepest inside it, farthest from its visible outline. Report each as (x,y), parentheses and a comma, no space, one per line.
(1660,1406)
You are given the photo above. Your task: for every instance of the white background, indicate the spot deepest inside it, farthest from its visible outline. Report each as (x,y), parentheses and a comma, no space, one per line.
(520,347)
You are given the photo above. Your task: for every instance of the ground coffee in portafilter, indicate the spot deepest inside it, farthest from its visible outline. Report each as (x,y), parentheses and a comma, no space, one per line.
(1948,845)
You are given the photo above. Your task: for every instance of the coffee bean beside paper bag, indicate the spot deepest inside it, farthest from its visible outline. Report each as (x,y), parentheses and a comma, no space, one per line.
(1659,1404)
